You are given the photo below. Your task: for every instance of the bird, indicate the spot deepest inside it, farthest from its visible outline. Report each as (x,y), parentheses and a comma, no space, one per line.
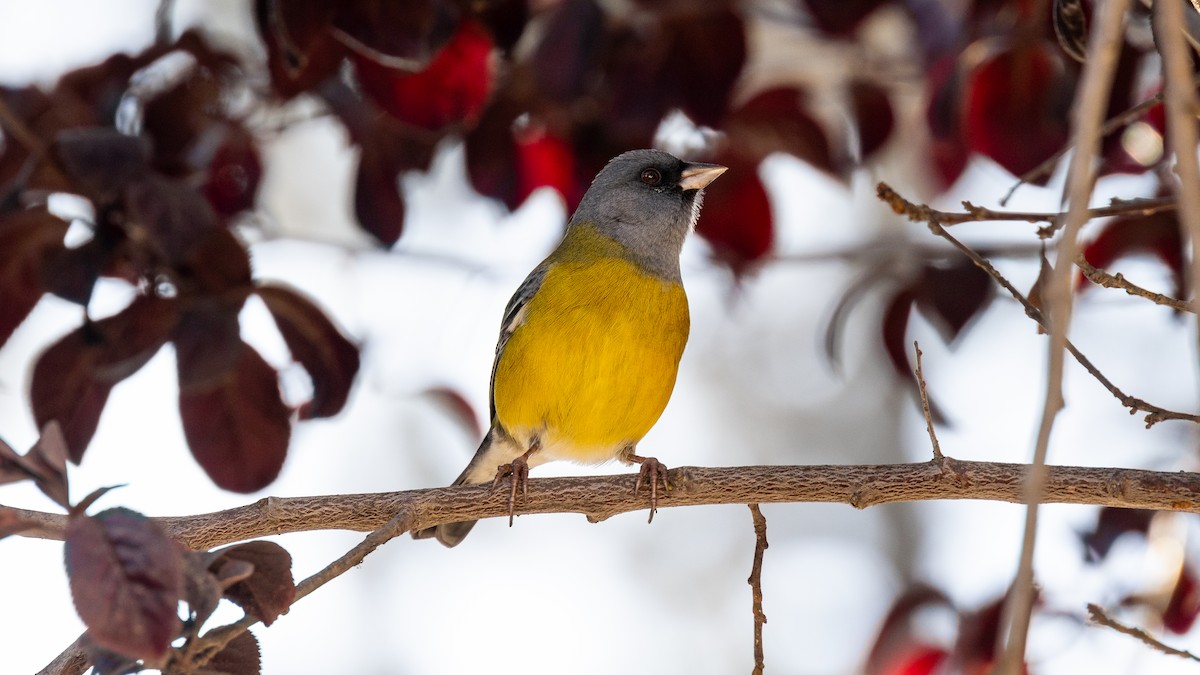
(590,342)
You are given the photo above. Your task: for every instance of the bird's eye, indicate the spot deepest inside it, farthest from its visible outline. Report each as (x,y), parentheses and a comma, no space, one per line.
(651,176)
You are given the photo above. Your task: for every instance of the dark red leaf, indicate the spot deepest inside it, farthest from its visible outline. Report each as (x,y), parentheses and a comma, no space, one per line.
(1184,604)
(240,657)
(11,522)
(840,17)
(270,590)
(705,57)
(237,426)
(775,120)
(1111,523)
(72,379)
(101,161)
(1070,27)
(949,296)
(736,218)
(301,49)
(1158,234)
(172,214)
(948,149)
(1017,104)
(895,331)
(45,463)
(208,343)
(451,90)
(491,152)
(27,240)
(871,111)
(504,19)
(400,34)
(328,356)
(218,265)
(126,578)
(378,200)
(569,50)
(71,273)
(200,588)
(233,174)
(460,412)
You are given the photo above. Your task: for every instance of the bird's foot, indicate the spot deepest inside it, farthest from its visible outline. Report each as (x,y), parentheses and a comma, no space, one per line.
(651,474)
(517,471)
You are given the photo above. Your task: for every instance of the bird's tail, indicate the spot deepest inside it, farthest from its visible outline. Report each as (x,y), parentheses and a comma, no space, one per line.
(451,534)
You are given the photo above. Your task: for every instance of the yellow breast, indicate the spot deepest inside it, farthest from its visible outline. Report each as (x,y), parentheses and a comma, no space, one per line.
(592,367)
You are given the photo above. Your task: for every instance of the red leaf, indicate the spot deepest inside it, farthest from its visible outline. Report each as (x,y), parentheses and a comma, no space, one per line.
(233,174)
(126,579)
(72,379)
(1184,604)
(208,344)
(240,657)
(950,296)
(918,660)
(543,160)
(491,152)
(378,201)
(45,463)
(101,161)
(1111,523)
(236,426)
(450,90)
(1158,234)
(775,120)
(218,265)
(395,33)
(895,332)
(28,239)
(687,60)
(457,408)
(175,217)
(269,590)
(840,17)
(871,110)
(948,149)
(330,359)
(301,49)
(1016,106)
(569,50)
(736,218)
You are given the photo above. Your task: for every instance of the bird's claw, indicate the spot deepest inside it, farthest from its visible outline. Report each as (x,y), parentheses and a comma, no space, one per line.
(517,471)
(651,473)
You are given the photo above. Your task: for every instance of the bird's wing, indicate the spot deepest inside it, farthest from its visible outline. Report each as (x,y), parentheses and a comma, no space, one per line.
(514,316)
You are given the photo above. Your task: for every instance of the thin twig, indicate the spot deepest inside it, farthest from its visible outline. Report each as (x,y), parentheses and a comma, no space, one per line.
(1104,46)
(1181,121)
(1118,281)
(979,214)
(1099,617)
(937,448)
(755,581)
(919,212)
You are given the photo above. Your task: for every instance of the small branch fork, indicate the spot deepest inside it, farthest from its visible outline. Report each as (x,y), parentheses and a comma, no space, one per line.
(755,581)
(1100,618)
(931,217)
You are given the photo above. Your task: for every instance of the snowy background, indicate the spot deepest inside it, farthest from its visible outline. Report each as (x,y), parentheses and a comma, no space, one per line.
(555,594)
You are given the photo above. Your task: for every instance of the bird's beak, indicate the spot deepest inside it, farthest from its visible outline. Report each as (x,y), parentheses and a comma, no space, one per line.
(696,176)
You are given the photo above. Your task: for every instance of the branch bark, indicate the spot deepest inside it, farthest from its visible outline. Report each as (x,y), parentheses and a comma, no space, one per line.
(602,497)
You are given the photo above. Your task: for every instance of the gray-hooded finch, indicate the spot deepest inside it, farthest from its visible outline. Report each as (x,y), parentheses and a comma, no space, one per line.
(590,342)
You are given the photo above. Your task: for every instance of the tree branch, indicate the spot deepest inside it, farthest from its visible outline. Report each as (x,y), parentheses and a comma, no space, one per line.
(922,213)
(755,581)
(1099,617)
(602,497)
(1102,278)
